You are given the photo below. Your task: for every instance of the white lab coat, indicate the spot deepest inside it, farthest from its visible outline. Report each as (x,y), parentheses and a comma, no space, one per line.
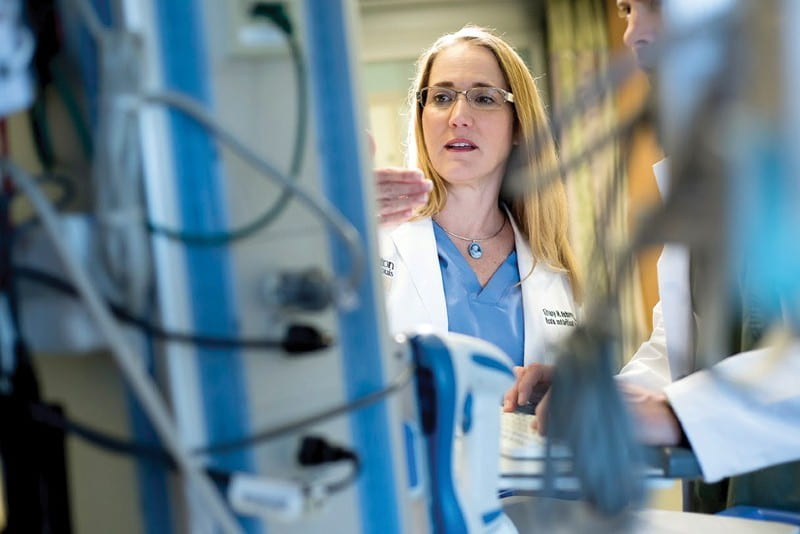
(668,354)
(742,414)
(415,292)
(732,429)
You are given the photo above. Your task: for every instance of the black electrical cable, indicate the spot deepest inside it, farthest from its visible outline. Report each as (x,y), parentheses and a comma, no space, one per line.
(518,168)
(313,450)
(48,416)
(655,227)
(583,376)
(276,13)
(67,195)
(622,264)
(320,206)
(298,338)
(289,428)
(65,185)
(70,101)
(617,73)
(601,246)
(40,131)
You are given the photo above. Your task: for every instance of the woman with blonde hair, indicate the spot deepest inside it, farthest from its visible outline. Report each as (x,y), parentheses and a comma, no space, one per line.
(456,254)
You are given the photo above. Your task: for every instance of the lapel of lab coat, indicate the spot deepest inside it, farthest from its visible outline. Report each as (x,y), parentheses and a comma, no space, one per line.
(526,264)
(543,288)
(675,293)
(416,246)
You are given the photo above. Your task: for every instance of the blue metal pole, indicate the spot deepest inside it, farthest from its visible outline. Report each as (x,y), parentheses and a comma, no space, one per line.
(202,209)
(340,139)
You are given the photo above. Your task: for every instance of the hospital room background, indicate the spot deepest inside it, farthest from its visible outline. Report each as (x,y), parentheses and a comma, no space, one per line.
(249,79)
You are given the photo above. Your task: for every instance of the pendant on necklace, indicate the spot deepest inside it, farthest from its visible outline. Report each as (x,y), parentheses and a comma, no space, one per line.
(475,250)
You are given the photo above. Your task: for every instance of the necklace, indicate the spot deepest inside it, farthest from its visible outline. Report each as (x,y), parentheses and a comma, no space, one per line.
(474,248)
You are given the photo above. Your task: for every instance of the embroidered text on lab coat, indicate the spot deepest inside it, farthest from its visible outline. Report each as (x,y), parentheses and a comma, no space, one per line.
(558,317)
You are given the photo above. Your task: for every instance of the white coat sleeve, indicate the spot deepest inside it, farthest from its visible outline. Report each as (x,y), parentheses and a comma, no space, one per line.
(649,366)
(742,414)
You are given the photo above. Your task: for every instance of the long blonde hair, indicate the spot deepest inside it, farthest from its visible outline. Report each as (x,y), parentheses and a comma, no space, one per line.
(540,215)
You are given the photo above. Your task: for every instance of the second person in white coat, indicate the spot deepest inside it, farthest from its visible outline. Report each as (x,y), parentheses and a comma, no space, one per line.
(468,260)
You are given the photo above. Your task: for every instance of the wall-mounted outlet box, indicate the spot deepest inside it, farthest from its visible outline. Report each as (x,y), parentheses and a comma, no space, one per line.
(250,34)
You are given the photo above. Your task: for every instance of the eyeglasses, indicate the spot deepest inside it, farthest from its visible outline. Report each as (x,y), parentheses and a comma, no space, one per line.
(479,98)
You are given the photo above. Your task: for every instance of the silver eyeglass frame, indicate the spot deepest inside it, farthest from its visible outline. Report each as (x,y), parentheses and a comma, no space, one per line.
(507,95)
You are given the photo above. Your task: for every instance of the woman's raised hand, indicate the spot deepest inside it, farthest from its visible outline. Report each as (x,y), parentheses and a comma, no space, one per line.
(400,192)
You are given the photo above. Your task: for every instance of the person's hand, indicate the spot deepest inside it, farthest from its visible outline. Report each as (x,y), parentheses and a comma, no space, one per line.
(400,192)
(540,422)
(532,382)
(654,421)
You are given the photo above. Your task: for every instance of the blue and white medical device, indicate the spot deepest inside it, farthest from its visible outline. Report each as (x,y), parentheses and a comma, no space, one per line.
(460,383)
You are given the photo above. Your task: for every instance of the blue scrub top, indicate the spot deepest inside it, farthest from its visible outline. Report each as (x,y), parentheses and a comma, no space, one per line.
(493,312)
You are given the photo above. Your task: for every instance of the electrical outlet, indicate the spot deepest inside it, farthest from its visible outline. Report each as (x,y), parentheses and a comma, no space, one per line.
(252,36)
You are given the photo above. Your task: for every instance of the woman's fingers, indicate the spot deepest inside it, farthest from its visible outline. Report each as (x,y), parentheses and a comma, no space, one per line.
(540,423)
(535,374)
(395,218)
(532,382)
(510,398)
(401,203)
(399,193)
(394,183)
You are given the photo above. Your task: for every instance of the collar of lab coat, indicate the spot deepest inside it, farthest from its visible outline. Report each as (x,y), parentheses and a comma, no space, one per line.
(525,265)
(661,171)
(536,289)
(416,244)
(674,289)
(525,261)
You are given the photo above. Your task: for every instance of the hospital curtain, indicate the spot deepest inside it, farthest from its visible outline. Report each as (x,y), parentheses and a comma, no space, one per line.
(578,49)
